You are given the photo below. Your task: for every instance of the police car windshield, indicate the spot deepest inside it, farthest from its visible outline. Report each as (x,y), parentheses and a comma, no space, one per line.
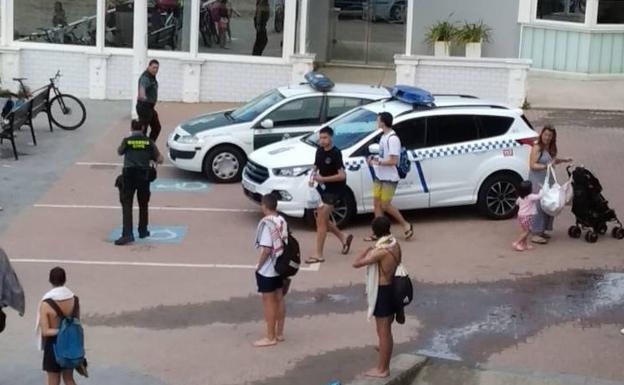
(349,129)
(256,106)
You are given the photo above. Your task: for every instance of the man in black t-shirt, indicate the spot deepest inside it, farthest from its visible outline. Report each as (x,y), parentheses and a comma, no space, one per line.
(330,175)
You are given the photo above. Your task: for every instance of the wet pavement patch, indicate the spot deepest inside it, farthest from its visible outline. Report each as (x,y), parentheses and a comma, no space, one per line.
(465,321)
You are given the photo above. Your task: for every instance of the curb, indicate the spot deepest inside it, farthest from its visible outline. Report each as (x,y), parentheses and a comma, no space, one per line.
(403,370)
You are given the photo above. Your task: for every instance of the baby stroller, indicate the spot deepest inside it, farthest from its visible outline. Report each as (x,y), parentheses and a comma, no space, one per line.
(590,208)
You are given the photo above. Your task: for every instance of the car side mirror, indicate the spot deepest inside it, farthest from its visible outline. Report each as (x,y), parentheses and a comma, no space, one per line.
(266,123)
(373,149)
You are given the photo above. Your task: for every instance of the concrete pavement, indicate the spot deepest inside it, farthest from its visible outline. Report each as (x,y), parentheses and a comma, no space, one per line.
(187,312)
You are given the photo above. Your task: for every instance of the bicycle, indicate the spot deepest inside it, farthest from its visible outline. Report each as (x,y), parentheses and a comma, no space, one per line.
(60,105)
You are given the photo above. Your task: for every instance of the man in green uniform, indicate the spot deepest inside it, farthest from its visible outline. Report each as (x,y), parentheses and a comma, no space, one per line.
(146,100)
(140,153)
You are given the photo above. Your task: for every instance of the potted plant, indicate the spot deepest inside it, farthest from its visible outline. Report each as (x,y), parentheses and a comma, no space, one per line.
(440,35)
(473,35)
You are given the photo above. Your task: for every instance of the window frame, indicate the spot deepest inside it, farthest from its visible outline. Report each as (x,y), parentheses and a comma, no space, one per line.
(426,129)
(293,100)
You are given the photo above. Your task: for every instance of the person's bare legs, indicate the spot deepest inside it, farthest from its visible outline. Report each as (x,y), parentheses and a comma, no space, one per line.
(54,378)
(269,307)
(377,207)
(386,343)
(521,241)
(396,214)
(322,222)
(68,377)
(280,314)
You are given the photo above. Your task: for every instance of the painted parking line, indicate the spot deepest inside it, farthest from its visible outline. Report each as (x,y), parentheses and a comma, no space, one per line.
(112,164)
(315,267)
(158,234)
(179,185)
(152,208)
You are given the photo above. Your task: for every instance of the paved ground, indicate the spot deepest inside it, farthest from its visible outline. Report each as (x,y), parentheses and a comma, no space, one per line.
(186,313)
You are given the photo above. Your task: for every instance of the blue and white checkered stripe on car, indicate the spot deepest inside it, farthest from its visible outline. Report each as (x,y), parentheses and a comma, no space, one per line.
(461,149)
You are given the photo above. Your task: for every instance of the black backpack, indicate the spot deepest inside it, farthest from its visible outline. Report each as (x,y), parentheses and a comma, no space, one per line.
(402,287)
(287,264)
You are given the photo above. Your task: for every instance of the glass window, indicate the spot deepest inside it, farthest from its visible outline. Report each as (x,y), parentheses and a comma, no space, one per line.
(251,110)
(337,106)
(59,22)
(349,129)
(242,27)
(451,129)
(491,126)
(412,133)
(299,112)
(611,12)
(561,10)
(167,24)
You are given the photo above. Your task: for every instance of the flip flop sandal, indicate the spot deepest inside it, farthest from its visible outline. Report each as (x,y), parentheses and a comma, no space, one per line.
(347,245)
(313,260)
(409,233)
(371,238)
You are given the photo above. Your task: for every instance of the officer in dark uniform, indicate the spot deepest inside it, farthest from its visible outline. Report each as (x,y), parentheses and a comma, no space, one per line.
(140,153)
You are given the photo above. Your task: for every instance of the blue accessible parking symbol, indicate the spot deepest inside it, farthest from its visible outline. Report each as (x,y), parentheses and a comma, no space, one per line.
(158,234)
(179,185)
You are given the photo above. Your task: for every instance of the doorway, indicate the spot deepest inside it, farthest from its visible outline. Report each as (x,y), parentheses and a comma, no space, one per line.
(366,32)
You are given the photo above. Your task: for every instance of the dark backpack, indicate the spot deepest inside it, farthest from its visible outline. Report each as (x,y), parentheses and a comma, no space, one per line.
(403,166)
(402,287)
(69,346)
(287,264)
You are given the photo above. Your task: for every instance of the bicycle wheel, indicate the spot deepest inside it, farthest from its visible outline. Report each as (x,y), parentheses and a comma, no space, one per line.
(67,111)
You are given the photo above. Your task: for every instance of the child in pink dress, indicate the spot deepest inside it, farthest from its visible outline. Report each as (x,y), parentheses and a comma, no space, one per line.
(527,209)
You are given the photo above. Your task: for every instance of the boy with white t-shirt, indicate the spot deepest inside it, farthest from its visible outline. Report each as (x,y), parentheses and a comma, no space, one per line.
(387,175)
(271,236)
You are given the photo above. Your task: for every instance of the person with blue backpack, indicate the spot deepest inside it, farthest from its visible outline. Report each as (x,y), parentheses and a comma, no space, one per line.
(60,333)
(389,167)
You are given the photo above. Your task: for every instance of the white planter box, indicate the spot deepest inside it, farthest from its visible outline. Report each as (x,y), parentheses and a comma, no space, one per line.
(442,48)
(473,49)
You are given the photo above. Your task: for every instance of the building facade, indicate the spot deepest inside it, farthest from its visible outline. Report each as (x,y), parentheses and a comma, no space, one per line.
(211,50)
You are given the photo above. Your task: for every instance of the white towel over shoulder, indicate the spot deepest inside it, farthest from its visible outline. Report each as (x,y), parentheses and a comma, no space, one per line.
(57,294)
(372,275)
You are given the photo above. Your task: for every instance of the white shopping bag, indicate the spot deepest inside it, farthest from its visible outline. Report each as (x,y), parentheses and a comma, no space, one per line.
(554,197)
(313,199)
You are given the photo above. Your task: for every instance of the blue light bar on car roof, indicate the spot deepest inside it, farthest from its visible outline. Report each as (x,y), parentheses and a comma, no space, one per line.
(319,82)
(412,95)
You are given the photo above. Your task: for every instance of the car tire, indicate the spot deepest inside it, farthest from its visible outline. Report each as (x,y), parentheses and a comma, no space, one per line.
(224,164)
(342,215)
(498,195)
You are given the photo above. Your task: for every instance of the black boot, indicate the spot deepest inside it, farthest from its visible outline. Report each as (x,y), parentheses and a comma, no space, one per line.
(124,240)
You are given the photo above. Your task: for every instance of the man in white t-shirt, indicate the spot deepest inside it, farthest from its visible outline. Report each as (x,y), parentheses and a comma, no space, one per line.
(270,238)
(387,175)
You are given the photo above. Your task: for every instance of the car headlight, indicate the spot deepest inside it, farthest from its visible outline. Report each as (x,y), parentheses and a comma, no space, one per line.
(189,139)
(292,171)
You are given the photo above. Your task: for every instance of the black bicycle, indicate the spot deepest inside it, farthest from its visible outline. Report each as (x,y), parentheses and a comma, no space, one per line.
(66,111)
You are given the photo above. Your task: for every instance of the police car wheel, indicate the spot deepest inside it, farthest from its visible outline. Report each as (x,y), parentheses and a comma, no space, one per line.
(224,164)
(342,215)
(498,195)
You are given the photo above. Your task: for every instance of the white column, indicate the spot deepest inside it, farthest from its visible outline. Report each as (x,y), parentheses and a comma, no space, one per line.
(290,28)
(591,13)
(98,70)
(100,25)
(6,15)
(303,27)
(195,5)
(191,81)
(409,27)
(139,41)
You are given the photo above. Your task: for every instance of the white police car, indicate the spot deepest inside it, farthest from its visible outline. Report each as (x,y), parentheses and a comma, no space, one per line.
(463,151)
(217,144)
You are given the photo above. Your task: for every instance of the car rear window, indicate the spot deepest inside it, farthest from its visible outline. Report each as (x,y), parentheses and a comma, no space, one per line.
(491,126)
(449,129)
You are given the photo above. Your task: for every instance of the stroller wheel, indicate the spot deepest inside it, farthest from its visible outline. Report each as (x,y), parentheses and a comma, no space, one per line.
(618,233)
(591,237)
(574,232)
(602,229)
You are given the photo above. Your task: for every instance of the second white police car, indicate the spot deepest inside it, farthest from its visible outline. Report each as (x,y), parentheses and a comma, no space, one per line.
(463,151)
